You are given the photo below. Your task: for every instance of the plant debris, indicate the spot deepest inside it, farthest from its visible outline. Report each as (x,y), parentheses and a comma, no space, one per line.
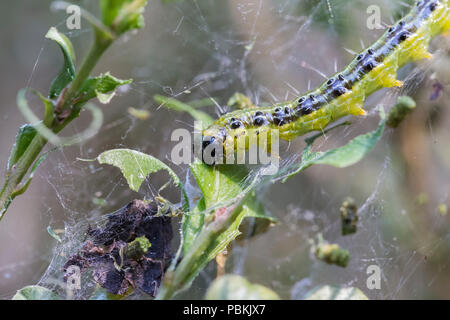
(330,253)
(133,249)
(349,216)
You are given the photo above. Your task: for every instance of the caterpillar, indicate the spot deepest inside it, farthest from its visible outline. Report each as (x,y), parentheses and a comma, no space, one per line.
(343,93)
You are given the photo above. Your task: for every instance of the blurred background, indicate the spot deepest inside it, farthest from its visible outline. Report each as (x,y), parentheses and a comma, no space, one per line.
(270,50)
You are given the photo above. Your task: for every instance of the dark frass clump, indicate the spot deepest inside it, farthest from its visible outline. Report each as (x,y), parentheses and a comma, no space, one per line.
(349,216)
(330,253)
(402,108)
(131,251)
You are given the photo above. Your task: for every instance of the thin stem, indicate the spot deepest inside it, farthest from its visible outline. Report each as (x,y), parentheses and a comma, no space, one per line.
(94,54)
(19,170)
(176,280)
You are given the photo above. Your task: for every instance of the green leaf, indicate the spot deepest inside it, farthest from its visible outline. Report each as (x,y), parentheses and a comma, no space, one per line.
(256,221)
(220,185)
(335,293)
(223,240)
(35,293)
(192,224)
(67,73)
(135,166)
(234,287)
(23,139)
(201,103)
(123,15)
(183,107)
(48,109)
(344,156)
(102,87)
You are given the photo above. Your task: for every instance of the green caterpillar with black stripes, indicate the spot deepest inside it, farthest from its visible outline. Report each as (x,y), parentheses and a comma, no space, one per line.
(343,93)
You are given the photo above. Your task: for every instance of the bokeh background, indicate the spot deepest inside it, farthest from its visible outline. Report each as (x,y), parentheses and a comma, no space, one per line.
(270,50)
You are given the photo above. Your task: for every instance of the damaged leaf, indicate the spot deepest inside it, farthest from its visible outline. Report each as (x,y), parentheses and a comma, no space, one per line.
(102,87)
(135,166)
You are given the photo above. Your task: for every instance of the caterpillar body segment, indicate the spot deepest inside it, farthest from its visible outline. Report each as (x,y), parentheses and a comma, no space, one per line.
(343,93)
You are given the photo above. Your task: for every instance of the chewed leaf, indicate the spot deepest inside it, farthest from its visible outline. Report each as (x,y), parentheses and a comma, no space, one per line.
(123,15)
(67,72)
(135,166)
(234,287)
(335,293)
(23,139)
(344,156)
(183,107)
(35,293)
(102,87)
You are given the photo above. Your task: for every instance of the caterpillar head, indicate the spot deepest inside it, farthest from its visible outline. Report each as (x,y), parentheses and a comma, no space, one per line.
(213,139)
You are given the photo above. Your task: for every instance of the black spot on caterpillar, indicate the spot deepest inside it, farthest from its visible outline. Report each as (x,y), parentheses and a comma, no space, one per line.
(344,93)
